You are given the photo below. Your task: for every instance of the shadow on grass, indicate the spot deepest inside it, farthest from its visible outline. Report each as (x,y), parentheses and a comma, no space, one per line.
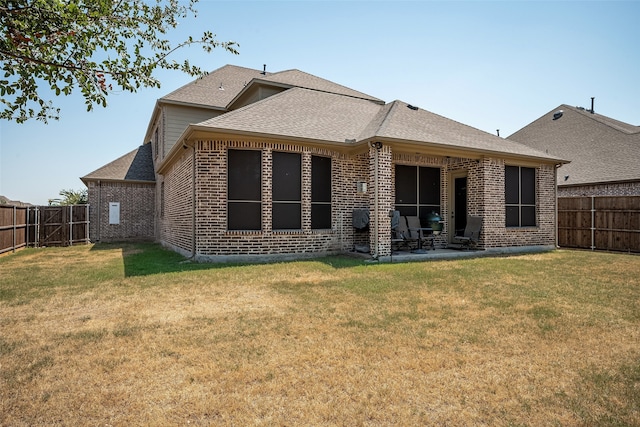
(146,258)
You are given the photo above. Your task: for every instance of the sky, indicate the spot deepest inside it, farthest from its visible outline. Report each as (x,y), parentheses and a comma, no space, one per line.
(491,65)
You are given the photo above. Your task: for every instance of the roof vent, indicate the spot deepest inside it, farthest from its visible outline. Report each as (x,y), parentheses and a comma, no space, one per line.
(557,114)
(412,107)
(221,87)
(264,69)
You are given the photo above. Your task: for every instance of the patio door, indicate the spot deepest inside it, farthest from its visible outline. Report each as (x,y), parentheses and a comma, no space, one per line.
(458,220)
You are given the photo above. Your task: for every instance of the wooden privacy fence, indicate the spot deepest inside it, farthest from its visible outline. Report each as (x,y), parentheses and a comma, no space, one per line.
(43,226)
(599,222)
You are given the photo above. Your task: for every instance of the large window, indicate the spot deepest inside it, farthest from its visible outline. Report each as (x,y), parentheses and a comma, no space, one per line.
(520,196)
(320,192)
(244,190)
(417,191)
(287,191)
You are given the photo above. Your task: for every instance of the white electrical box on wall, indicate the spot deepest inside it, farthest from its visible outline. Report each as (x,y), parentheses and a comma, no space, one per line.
(114,213)
(362,187)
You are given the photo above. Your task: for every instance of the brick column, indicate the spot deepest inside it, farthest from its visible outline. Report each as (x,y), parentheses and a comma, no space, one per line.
(380,222)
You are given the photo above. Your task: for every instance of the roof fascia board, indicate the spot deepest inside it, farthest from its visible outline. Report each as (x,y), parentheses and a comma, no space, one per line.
(127,181)
(207,133)
(470,153)
(154,117)
(583,184)
(190,104)
(197,132)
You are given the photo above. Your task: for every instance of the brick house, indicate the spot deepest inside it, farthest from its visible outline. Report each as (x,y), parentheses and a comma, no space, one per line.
(251,164)
(604,153)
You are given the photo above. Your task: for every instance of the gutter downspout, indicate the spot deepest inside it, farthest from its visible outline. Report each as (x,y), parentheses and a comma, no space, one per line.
(99,210)
(556,213)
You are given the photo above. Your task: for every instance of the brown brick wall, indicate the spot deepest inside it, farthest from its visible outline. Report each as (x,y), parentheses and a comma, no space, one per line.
(175,220)
(495,233)
(136,211)
(213,238)
(485,183)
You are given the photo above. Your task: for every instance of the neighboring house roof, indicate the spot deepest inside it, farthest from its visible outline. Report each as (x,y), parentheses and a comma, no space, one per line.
(601,149)
(134,166)
(307,114)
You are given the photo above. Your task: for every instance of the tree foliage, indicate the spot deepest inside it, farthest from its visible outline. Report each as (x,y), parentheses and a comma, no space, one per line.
(96,46)
(70,197)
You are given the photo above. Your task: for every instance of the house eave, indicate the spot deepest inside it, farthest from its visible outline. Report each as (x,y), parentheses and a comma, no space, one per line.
(195,132)
(86,180)
(445,150)
(583,184)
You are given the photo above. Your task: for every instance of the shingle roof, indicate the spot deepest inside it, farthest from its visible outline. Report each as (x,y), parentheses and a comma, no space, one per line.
(218,88)
(407,123)
(136,165)
(601,149)
(301,79)
(301,113)
(310,114)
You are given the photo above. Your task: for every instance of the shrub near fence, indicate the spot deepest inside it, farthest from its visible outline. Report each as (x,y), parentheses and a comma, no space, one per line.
(599,222)
(43,226)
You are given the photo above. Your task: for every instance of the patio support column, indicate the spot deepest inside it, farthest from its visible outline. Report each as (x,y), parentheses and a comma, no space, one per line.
(380,199)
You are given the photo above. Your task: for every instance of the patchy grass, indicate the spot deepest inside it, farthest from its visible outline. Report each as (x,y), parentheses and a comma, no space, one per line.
(133,335)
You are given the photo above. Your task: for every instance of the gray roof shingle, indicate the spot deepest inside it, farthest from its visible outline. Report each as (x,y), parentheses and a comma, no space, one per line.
(218,88)
(310,114)
(136,165)
(601,149)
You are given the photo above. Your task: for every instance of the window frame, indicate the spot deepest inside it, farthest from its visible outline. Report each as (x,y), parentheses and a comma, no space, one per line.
(418,201)
(521,203)
(250,207)
(284,200)
(321,205)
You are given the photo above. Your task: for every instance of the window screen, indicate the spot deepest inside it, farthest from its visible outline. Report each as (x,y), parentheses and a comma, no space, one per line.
(417,191)
(520,196)
(287,191)
(320,192)
(244,190)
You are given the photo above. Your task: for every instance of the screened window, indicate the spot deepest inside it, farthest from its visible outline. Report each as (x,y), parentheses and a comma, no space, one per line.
(520,196)
(287,191)
(320,192)
(244,204)
(417,191)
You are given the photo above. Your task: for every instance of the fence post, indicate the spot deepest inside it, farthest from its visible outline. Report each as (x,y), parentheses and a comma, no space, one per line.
(86,226)
(593,223)
(15,219)
(37,231)
(71,225)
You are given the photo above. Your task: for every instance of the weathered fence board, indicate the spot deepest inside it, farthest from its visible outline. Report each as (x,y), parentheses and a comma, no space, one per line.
(600,222)
(43,226)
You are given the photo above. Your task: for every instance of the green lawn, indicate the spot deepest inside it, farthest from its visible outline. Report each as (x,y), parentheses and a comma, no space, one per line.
(135,335)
